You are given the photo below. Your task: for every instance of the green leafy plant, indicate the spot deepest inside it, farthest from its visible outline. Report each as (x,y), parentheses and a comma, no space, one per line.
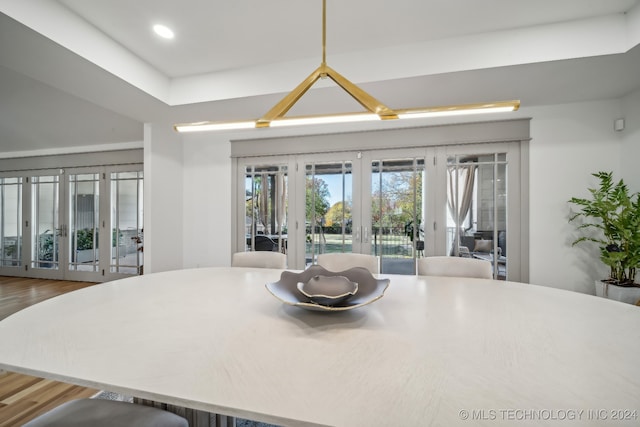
(613,214)
(11,250)
(47,250)
(84,239)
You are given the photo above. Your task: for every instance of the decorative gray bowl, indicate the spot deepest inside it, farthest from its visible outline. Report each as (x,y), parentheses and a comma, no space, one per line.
(369,290)
(328,290)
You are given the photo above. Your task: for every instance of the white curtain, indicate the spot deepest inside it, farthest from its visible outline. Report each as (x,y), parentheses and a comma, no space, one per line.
(461,180)
(263,202)
(281,201)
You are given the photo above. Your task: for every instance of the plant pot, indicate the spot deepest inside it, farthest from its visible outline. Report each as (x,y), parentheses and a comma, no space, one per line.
(85,255)
(627,294)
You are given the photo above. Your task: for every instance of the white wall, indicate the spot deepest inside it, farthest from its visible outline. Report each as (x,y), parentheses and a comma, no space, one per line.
(207,201)
(163,201)
(631,141)
(569,142)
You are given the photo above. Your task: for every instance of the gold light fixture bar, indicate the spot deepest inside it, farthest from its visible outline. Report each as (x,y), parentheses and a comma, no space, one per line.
(376,110)
(408,113)
(458,110)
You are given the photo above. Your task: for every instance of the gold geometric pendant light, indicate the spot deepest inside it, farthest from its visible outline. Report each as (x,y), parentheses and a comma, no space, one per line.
(376,110)
(367,101)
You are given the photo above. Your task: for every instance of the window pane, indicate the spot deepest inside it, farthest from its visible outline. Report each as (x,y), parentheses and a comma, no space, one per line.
(328,205)
(397,197)
(126,222)
(10,222)
(45,222)
(476,208)
(83,222)
(266,203)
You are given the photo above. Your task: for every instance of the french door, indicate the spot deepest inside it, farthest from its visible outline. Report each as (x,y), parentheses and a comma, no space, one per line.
(74,224)
(325,203)
(397,204)
(368,202)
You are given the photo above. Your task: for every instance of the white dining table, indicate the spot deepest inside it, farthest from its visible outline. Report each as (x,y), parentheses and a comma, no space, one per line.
(434,351)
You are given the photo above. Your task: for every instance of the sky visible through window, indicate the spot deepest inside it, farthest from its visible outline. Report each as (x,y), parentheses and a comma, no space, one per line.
(334,183)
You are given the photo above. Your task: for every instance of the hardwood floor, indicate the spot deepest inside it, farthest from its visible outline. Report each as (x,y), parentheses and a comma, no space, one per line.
(23,397)
(17,293)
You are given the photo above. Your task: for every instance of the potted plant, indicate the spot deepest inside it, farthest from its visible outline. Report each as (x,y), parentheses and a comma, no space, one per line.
(611,219)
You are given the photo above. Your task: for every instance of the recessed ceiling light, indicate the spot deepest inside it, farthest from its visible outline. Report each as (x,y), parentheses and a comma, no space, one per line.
(163,31)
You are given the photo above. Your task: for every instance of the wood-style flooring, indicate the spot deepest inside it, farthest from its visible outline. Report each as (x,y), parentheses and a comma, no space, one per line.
(23,397)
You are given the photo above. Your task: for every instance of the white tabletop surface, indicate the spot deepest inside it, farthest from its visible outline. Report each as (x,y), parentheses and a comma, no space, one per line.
(432,351)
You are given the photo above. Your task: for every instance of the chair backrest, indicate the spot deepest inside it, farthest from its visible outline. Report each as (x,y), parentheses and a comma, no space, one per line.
(345,261)
(259,259)
(454,267)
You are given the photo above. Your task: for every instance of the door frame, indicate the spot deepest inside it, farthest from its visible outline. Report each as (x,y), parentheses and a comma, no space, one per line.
(452,136)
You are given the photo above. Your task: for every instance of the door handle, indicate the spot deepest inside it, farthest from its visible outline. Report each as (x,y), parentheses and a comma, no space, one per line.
(366,235)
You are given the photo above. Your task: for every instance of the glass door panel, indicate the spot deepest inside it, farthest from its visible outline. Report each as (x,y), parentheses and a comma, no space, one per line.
(397,233)
(328,208)
(265,208)
(84,220)
(45,222)
(477,208)
(126,254)
(10,223)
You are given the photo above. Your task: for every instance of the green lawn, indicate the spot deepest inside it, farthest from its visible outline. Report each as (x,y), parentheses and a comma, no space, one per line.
(386,245)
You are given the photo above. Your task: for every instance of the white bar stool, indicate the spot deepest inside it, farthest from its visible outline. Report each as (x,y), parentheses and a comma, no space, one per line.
(106,413)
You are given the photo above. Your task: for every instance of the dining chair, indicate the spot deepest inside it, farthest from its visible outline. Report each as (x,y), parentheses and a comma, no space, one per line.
(454,267)
(106,413)
(259,259)
(345,261)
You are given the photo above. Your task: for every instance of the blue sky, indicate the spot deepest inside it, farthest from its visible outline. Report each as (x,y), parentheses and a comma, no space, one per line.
(334,182)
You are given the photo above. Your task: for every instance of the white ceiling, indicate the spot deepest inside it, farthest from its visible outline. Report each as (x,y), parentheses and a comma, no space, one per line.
(216,36)
(75,73)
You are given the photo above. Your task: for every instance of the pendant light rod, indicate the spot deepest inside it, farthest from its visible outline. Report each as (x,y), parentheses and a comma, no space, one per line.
(324,31)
